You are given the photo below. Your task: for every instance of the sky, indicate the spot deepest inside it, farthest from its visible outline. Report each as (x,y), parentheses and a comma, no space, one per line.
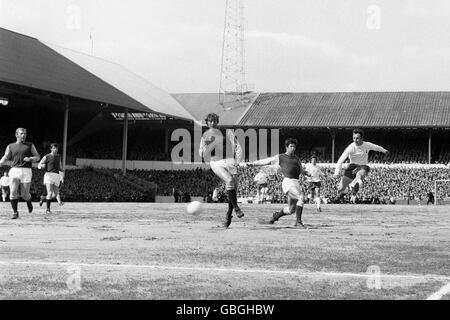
(290,45)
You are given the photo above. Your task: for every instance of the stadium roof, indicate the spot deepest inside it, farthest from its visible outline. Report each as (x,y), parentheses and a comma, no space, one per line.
(349,109)
(31,63)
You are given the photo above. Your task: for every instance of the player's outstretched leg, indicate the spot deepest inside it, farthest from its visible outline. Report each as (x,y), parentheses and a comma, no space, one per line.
(278,214)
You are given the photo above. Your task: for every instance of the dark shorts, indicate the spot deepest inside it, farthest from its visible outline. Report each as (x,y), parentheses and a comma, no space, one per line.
(5,189)
(262,185)
(313,185)
(353,168)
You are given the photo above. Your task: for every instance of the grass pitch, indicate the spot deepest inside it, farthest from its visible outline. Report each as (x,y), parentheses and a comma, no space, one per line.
(158,251)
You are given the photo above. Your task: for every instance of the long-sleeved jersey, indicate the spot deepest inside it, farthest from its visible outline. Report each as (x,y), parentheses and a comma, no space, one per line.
(358,154)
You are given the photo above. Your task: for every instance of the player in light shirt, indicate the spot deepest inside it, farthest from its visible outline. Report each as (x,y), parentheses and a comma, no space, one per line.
(4,183)
(357,170)
(314,180)
(262,183)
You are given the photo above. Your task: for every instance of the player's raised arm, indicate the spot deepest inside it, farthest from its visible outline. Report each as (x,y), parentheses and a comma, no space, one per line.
(264,162)
(341,160)
(41,164)
(375,147)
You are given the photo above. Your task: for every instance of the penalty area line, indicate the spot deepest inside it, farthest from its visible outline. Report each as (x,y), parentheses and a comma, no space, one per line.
(299,272)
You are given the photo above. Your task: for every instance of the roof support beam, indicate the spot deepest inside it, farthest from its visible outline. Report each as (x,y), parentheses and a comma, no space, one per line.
(430,133)
(66,124)
(333,142)
(125,142)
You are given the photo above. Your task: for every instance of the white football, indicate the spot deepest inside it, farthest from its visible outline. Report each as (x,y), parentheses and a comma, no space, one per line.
(195,208)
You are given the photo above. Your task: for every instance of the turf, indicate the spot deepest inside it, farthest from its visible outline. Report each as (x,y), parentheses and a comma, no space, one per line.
(158,251)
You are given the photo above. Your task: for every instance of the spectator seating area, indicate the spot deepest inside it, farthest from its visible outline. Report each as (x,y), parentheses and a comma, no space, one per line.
(93,185)
(382,183)
(90,185)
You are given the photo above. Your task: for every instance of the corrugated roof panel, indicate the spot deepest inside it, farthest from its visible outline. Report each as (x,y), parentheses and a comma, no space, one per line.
(350,109)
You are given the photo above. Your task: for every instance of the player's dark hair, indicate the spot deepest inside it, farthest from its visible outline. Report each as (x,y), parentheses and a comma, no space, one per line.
(54,145)
(360,131)
(289,141)
(313,157)
(212,117)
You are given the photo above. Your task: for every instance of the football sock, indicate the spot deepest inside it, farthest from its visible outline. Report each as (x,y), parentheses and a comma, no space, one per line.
(232,197)
(30,206)
(48,204)
(230,208)
(14,203)
(298,213)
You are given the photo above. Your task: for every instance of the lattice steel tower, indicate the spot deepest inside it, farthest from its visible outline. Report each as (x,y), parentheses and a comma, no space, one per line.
(232,74)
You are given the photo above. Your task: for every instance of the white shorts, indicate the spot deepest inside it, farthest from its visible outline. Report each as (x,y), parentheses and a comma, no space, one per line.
(224,163)
(292,186)
(52,178)
(23,174)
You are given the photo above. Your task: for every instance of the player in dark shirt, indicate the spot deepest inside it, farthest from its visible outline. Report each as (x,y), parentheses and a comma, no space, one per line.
(211,150)
(53,176)
(21,154)
(291,168)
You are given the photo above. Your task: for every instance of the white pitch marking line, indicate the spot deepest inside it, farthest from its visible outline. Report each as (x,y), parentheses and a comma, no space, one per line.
(439,294)
(186,268)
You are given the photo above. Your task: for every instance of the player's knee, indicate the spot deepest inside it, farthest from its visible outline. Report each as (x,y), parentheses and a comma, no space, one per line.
(300,202)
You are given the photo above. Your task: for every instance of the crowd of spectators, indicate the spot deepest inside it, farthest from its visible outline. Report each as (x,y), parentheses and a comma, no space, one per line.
(198,182)
(383,185)
(89,185)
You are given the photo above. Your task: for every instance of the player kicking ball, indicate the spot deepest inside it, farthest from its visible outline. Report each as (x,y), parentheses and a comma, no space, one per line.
(211,150)
(357,170)
(291,168)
